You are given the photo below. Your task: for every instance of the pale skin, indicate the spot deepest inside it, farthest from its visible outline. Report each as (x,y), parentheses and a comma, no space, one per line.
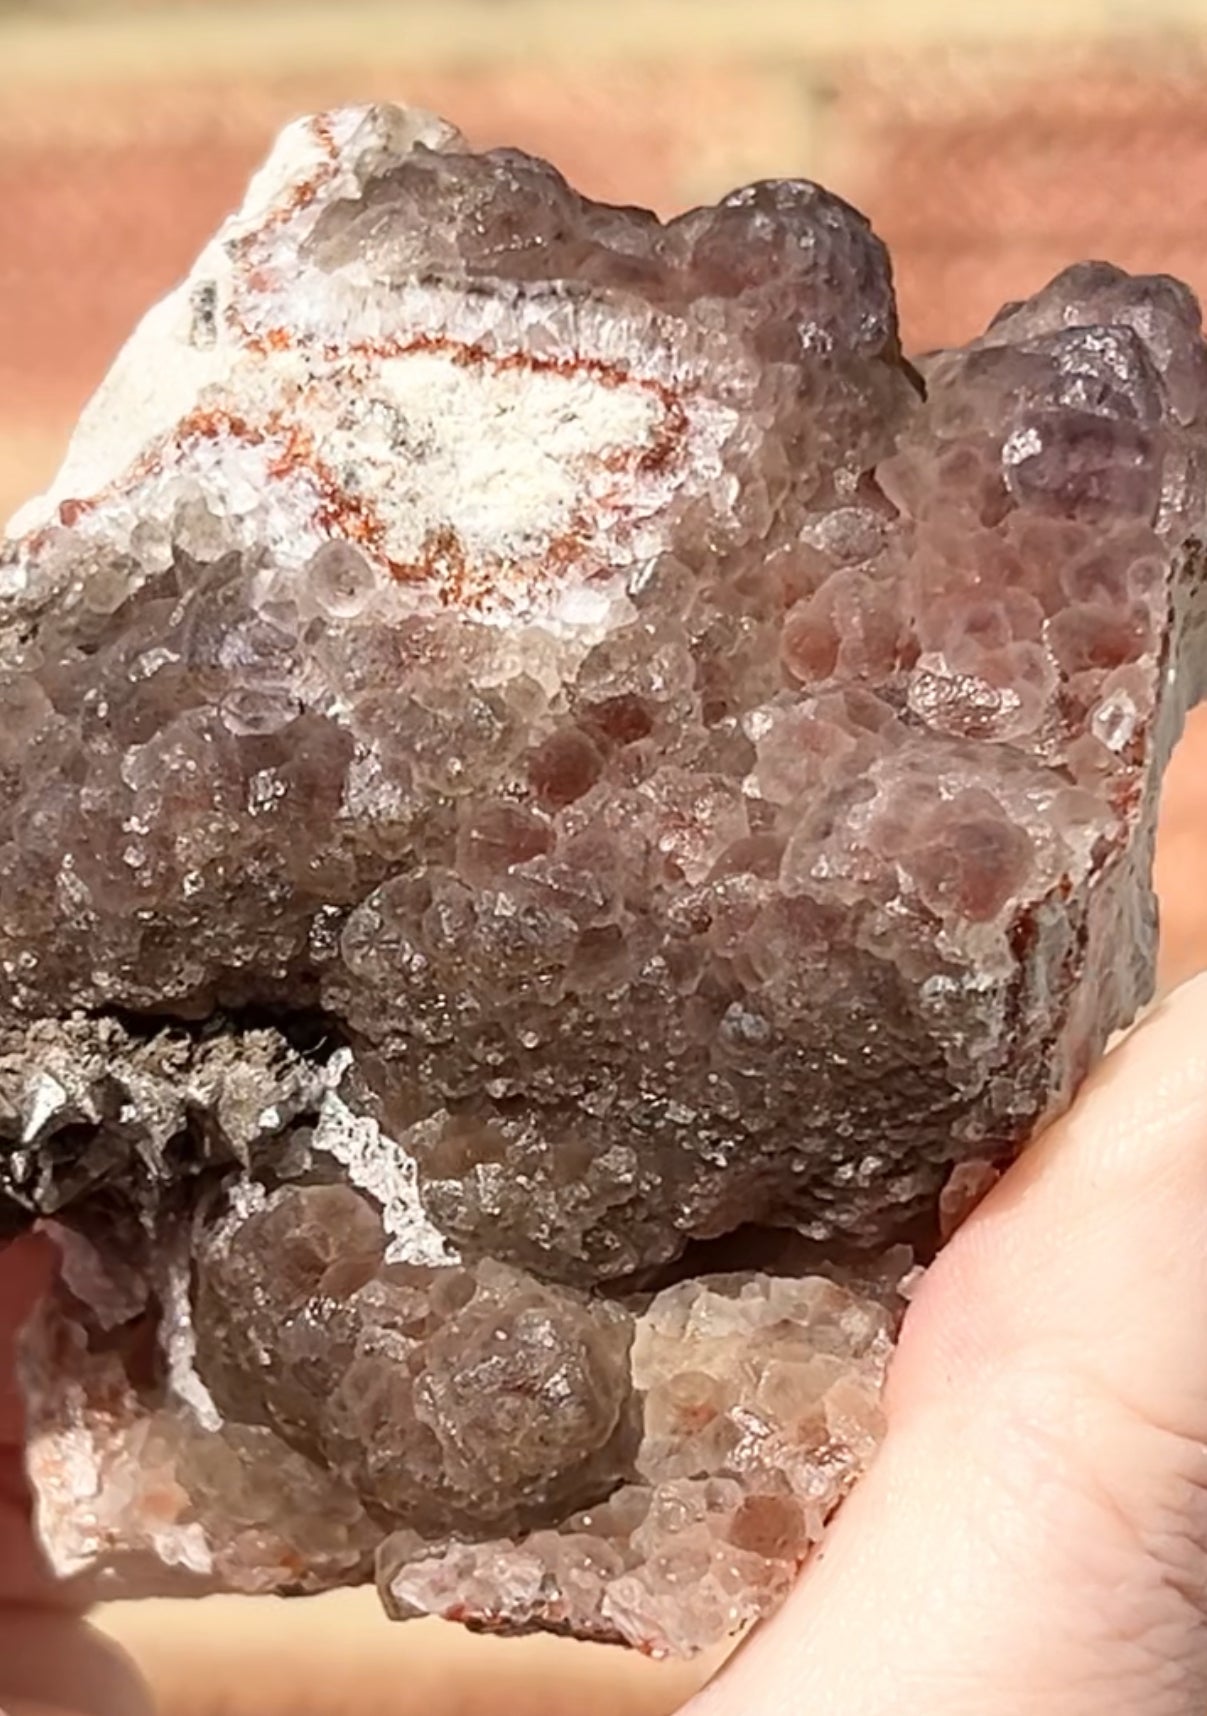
(1032,1540)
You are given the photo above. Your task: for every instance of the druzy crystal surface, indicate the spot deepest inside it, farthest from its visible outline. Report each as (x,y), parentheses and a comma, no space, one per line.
(560,799)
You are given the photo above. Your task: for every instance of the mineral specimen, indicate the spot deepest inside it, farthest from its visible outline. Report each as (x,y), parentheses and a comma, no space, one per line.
(539,754)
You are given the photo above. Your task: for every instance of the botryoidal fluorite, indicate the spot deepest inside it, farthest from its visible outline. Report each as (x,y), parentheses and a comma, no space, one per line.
(534,741)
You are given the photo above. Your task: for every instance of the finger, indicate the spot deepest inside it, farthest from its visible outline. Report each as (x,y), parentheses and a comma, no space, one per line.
(1033,1537)
(51,1662)
(26,1269)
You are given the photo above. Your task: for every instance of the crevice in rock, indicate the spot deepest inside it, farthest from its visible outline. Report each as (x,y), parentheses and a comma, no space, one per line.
(756,1246)
(310,1031)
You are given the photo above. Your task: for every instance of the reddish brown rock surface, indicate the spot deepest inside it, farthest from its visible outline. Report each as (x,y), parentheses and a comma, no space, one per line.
(539,749)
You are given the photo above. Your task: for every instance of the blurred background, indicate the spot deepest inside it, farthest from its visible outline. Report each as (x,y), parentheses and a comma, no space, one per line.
(990,144)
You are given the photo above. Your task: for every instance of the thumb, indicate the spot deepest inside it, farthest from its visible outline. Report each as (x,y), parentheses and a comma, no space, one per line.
(1033,1536)
(51,1662)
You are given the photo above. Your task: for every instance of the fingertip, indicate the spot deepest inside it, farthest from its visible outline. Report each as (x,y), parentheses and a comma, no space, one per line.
(1096,1237)
(54,1663)
(27,1267)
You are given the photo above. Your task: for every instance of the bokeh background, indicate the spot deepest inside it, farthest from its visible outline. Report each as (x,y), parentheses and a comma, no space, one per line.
(990,143)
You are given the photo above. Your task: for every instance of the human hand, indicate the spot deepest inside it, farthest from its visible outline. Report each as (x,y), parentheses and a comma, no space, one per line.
(1033,1536)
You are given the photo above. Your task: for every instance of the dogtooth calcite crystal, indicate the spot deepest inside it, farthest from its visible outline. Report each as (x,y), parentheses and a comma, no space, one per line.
(558,796)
